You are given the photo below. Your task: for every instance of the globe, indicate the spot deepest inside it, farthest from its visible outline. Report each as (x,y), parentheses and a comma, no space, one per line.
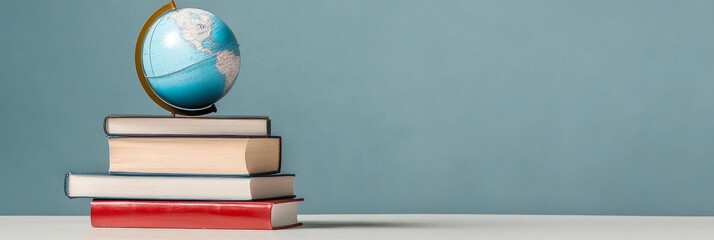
(190,58)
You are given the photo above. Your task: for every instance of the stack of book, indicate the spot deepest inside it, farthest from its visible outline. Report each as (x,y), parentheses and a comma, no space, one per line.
(189,172)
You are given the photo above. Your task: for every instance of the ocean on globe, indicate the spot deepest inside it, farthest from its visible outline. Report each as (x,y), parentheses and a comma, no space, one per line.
(190,58)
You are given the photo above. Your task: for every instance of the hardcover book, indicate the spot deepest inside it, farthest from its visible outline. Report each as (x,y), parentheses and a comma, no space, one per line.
(133,125)
(227,155)
(233,188)
(269,214)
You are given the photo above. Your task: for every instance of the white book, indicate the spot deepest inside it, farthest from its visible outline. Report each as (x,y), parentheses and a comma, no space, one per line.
(166,187)
(134,125)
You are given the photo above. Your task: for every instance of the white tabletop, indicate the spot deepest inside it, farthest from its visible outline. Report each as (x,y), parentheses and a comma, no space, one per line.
(389,227)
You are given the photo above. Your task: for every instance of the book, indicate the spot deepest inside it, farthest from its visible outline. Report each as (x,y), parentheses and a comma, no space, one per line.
(269,214)
(237,188)
(136,125)
(227,155)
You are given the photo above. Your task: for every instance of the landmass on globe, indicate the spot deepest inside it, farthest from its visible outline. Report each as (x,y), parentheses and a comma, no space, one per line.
(190,58)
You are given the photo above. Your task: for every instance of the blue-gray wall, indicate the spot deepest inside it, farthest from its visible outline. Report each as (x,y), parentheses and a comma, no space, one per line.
(398,106)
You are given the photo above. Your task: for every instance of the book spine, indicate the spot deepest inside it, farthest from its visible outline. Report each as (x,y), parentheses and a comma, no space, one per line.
(66,184)
(280,155)
(268,126)
(180,214)
(106,120)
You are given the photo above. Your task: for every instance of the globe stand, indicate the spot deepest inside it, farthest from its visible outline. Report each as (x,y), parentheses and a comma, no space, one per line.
(140,70)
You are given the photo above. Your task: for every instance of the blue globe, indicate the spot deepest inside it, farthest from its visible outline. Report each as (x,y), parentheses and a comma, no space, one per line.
(190,58)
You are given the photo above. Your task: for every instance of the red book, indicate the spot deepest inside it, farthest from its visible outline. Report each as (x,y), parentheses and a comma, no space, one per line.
(268,214)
